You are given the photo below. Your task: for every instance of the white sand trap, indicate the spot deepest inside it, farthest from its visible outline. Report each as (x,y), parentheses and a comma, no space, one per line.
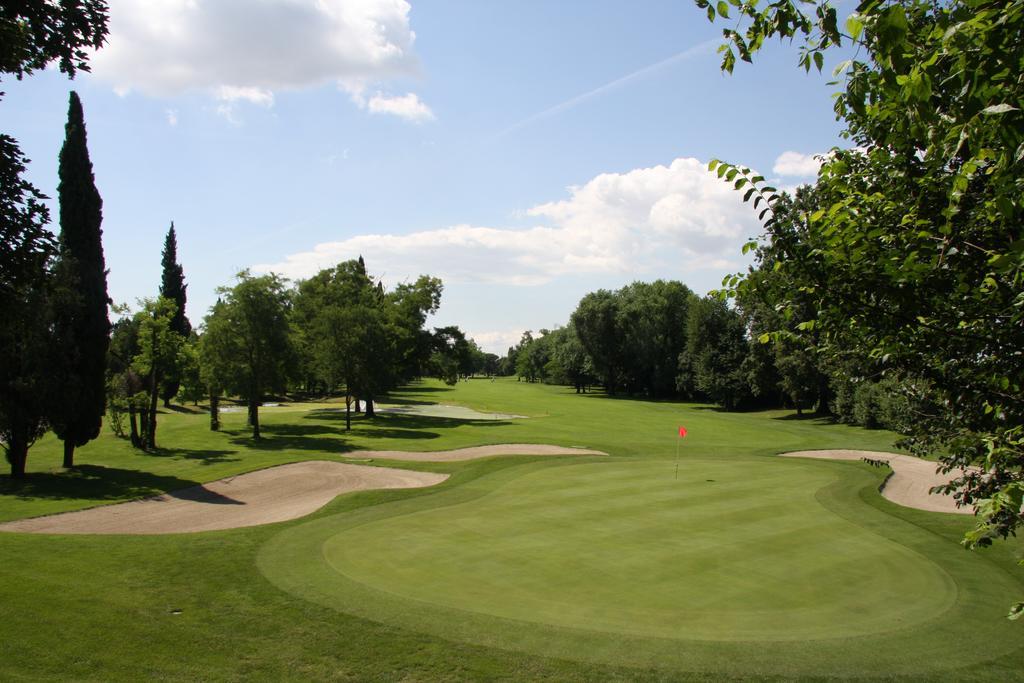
(473,452)
(432,410)
(438,410)
(911,481)
(275,494)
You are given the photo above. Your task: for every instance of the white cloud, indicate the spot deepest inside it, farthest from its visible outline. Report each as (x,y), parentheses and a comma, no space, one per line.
(496,341)
(663,220)
(233,93)
(250,49)
(406,106)
(797,164)
(172,117)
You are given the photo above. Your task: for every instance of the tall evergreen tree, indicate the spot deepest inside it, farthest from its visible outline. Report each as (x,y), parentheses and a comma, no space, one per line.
(81,326)
(172,286)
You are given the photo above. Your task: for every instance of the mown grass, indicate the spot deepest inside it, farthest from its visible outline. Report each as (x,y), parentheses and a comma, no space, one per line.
(197,606)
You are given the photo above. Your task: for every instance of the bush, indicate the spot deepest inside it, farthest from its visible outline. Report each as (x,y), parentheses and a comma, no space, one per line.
(868,398)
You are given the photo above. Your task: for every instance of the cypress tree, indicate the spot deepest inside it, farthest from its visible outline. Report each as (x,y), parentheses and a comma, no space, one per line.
(172,286)
(80,324)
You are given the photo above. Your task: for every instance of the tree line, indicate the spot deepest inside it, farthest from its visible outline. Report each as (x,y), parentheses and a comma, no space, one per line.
(660,340)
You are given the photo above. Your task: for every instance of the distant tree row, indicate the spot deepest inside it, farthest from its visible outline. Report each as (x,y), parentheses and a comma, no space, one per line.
(661,340)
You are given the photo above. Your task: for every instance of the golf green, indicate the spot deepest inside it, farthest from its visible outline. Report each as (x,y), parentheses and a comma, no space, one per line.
(618,560)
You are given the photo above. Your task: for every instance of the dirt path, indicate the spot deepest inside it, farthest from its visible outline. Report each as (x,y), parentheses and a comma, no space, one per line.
(275,494)
(473,452)
(910,482)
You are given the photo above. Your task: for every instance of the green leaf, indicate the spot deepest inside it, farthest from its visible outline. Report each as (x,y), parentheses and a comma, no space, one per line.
(854,26)
(723,9)
(998,109)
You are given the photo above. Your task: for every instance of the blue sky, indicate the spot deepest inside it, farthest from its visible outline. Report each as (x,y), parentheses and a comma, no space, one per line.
(526,153)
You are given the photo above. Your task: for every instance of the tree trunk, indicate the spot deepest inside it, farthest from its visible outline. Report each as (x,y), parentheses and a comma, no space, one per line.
(348,414)
(167,403)
(133,424)
(17,454)
(214,411)
(358,408)
(153,396)
(69,454)
(254,418)
(369,406)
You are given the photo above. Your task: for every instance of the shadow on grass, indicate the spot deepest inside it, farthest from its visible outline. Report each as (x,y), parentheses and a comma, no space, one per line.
(403,401)
(602,394)
(281,437)
(413,389)
(92,482)
(207,456)
(814,418)
(187,410)
(384,421)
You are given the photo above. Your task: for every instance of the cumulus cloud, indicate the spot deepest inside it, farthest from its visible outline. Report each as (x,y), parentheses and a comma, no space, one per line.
(406,106)
(797,164)
(662,219)
(496,341)
(248,49)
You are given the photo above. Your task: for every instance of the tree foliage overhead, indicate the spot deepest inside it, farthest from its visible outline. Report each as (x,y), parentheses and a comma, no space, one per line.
(915,259)
(81,329)
(34,33)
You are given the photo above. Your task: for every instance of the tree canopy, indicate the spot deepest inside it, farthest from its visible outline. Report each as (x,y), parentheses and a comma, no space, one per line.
(34,33)
(914,259)
(249,339)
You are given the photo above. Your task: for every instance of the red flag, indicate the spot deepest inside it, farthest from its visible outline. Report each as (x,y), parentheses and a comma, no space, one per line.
(682,432)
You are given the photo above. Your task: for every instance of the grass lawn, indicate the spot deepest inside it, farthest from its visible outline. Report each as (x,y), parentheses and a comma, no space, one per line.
(517,567)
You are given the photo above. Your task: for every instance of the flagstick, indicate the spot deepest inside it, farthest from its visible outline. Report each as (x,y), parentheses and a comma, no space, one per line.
(678,441)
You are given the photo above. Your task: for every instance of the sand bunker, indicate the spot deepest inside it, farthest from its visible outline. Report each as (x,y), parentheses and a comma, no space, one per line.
(450,412)
(474,452)
(910,483)
(275,494)
(432,410)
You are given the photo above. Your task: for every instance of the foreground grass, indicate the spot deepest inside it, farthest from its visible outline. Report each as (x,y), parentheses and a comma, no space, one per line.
(197,606)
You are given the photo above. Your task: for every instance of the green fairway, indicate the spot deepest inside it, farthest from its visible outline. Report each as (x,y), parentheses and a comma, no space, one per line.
(516,568)
(625,548)
(619,562)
